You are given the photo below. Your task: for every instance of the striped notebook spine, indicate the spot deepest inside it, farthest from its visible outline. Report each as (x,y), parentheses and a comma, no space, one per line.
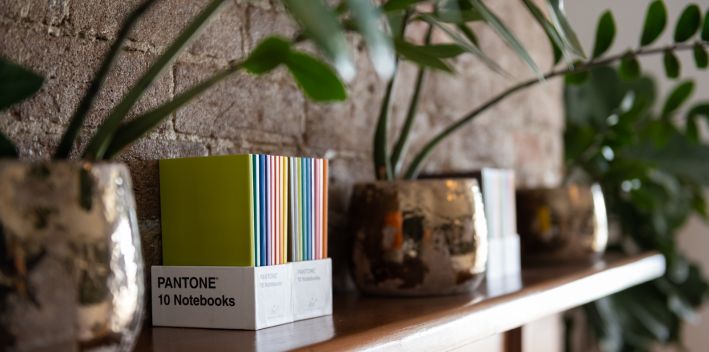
(289,209)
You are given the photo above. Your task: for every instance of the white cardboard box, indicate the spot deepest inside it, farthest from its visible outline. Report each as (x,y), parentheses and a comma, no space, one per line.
(312,288)
(247,298)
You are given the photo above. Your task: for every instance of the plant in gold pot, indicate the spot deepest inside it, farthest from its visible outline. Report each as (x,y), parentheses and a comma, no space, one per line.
(71,272)
(456,21)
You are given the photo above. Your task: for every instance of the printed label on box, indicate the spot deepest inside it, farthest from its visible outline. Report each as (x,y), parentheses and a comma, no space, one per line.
(312,288)
(221,297)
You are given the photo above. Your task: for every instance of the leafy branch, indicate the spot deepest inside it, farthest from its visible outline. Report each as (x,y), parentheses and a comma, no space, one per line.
(687,26)
(580,67)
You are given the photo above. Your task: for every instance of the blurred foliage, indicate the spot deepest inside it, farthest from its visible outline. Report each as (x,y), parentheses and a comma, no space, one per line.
(652,170)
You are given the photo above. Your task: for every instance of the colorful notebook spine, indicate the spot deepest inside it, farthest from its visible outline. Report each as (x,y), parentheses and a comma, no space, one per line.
(270,185)
(308,203)
(289,209)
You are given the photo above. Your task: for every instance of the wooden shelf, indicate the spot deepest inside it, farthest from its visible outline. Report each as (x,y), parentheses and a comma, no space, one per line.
(427,324)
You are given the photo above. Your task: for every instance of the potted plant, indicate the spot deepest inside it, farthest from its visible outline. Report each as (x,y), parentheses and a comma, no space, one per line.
(652,169)
(453,18)
(71,271)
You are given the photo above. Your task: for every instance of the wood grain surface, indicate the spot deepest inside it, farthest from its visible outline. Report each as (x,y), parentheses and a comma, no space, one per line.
(424,324)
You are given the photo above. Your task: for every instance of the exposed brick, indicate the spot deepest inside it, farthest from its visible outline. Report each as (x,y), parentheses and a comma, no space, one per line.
(230,107)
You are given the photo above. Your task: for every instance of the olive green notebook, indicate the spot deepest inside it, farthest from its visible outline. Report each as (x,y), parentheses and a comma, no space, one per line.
(207,211)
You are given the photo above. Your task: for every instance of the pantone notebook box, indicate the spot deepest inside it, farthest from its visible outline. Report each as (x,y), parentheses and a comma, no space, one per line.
(229,297)
(312,288)
(245,298)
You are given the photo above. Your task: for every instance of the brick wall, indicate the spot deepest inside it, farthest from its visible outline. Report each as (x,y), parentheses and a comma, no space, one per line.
(64,40)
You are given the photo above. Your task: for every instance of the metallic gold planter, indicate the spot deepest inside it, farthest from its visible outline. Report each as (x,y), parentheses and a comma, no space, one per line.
(417,238)
(562,224)
(71,271)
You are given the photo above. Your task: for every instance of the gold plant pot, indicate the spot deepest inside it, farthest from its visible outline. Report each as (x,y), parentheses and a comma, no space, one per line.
(418,238)
(71,270)
(567,223)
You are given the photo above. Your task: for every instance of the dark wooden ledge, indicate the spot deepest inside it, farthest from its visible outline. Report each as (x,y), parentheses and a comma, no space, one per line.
(425,324)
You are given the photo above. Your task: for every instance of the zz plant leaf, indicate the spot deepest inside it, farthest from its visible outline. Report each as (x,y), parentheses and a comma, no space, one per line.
(421,55)
(605,33)
(629,67)
(321,24)
(564,28)
(688,23)
(498,26)
(270,53)
(555,39)
(655,22)
(679,95)
(317,80)
(16,83)
(397,5)
(381,51)
(672,65)
(700,56)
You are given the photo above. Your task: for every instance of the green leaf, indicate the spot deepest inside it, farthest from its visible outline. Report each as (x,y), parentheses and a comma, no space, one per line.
(629,67)
(605,33)
(464,43)
(576,78)
(16,83)
(267,55)
(316,78)
(396,5)
(136,128)
(382,163)
(691,130)
(679,156)
(456,11)
(655,22)
(498,26)
(679,95)
(443,51)
(102,139)
(7,148)
(555,40)
(705,28)
(379,46)
(688,23)
(420,56)
(700,56)
(401,144)
(564,28)
(672,66)
(468,33)
(77,120)
(321,24)
(692,127)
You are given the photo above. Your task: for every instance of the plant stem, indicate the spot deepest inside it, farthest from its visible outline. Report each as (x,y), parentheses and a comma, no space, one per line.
(382,166)
(415,166)
(96,148)
(402,142)
(77,120)
(134,129)
(382,163)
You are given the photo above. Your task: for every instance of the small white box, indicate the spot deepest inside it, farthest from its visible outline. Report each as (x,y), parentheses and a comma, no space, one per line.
(312,288)
(246,298)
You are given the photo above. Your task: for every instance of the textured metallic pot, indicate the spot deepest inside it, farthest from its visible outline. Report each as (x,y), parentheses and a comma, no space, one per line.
(418,238)
(71,271)
(567,223)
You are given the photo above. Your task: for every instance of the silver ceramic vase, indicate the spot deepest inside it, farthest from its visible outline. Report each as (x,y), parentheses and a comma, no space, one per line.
(418,238)
(71,275)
